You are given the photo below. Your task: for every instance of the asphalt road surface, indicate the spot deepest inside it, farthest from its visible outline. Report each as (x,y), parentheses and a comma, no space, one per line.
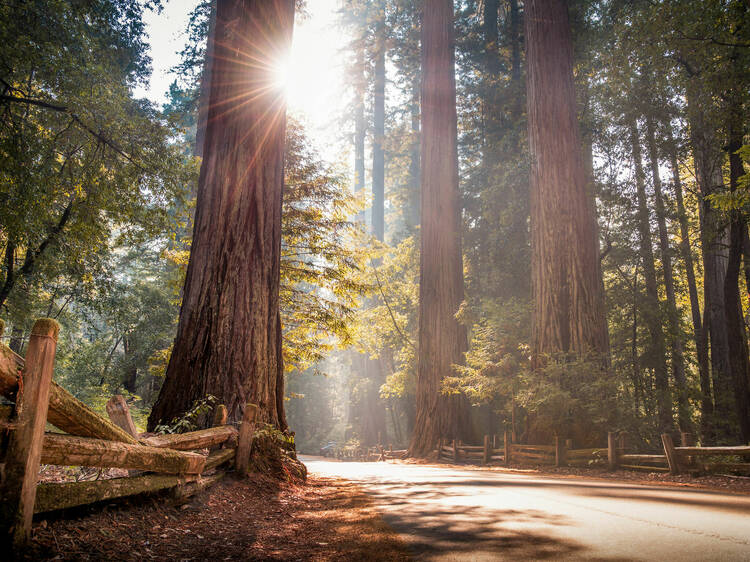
(458,514)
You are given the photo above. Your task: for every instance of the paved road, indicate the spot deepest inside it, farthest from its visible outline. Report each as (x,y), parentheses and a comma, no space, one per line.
(459,514)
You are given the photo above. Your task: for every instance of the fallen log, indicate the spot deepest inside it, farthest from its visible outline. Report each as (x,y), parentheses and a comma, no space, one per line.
(194,439)
(184,491)
(54,496)
(218,457)
(66,450)
(65,412)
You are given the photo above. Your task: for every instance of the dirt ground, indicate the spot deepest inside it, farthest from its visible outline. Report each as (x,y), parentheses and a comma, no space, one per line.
(251,519)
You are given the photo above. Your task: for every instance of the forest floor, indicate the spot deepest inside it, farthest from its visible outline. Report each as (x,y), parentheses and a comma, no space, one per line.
(251,519)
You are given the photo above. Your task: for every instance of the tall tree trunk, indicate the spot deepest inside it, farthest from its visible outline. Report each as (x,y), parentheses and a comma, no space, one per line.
(737,337)
(359,127)
(569,307)
(373,424)
(714,243)
(205,88)
(228,340)
(378,149)
(412,213)
(651,314)
(514,33)
(673,314)
(699,330)
(442,340)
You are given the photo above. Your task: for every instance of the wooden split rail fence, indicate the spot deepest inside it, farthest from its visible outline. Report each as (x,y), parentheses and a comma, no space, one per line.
(377,453)
(159,462)
(675,459)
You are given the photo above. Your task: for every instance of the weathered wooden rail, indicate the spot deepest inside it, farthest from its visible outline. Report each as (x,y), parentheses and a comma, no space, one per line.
(369,454)
(184,463)
(675,459)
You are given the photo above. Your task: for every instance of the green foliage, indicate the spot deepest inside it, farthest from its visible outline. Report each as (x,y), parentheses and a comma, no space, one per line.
(321,261)
(192,419)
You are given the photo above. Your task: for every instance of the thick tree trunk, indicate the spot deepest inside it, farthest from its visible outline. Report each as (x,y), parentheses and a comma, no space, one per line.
(737,338)
(656,354)
(228,340)
(442,340)
(714,243)
(673,314)
(569,307)
(699,330)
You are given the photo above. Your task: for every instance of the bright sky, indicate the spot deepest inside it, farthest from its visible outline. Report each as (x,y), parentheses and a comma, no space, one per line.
(315,75)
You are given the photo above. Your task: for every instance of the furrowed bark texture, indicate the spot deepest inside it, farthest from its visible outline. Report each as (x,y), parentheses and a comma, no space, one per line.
(714,243)
(568,302)
(442,340)
(228,340)
(737,337)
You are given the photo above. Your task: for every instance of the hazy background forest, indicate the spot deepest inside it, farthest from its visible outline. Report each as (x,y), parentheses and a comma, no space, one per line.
(97,191)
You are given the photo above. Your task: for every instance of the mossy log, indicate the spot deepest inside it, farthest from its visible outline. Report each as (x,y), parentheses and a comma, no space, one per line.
(183,492)
(194,439)
(219,457)
(67,450)
(66,412)
(53,496)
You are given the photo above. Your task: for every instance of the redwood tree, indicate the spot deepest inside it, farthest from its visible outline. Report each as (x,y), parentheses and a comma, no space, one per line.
(568,301)
(228,340)
(442,340)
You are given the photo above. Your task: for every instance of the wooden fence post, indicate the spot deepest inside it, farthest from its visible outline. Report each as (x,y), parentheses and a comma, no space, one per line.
(506,447)
(487,449)
(245,440)
(559,451)
(612,450)
(670,453)
(688,440)
(455,450)
(25,446)
(119,413)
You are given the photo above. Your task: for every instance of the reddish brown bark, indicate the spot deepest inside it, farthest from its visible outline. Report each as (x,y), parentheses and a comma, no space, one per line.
(442,340)
(569,308)
(228,340)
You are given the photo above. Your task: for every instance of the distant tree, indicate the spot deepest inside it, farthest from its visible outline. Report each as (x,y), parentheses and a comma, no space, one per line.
(229,334)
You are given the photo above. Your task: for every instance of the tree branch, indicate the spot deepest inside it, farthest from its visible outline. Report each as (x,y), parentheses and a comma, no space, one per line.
(64,109)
